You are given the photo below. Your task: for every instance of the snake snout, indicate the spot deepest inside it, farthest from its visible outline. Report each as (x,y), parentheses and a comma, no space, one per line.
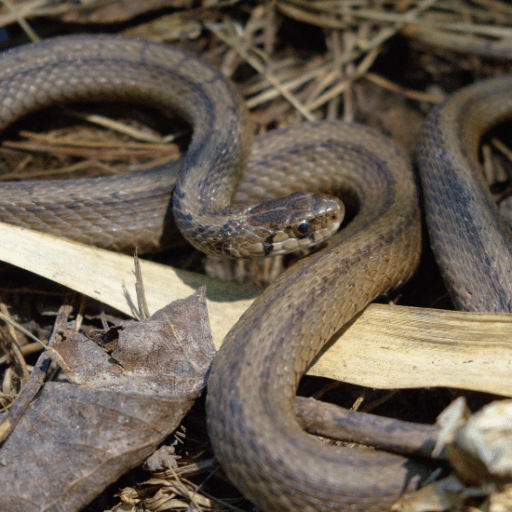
(280,226)
(310,219)
(330,211)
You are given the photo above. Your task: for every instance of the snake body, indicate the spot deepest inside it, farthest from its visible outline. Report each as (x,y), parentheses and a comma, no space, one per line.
(129,211)
(251,389)
(253,382)
(471,242)
(253,428)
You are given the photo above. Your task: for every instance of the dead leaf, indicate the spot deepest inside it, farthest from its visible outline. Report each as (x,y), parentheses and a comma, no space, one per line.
(79,436)
(478,448)
(441,495)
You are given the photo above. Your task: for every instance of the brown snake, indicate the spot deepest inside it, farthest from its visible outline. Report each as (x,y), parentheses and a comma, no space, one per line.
(252,387)
(130,211)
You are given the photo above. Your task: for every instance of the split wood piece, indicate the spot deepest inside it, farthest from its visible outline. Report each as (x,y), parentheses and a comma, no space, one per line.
(385,347)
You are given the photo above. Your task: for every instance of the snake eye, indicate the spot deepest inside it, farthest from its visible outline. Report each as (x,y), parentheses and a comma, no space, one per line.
(302,228)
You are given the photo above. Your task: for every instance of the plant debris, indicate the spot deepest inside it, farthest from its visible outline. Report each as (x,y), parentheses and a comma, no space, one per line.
(112,410)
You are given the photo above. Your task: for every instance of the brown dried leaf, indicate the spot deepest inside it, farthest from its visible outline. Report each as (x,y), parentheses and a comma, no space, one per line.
(445,494)
(80,436)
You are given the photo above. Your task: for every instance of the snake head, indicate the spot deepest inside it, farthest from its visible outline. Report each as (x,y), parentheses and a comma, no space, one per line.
(284,225)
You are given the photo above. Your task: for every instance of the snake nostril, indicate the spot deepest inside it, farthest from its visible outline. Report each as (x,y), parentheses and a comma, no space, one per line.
(332,218)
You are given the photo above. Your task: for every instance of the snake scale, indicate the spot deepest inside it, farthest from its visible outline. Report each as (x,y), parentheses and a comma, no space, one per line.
(253,382)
